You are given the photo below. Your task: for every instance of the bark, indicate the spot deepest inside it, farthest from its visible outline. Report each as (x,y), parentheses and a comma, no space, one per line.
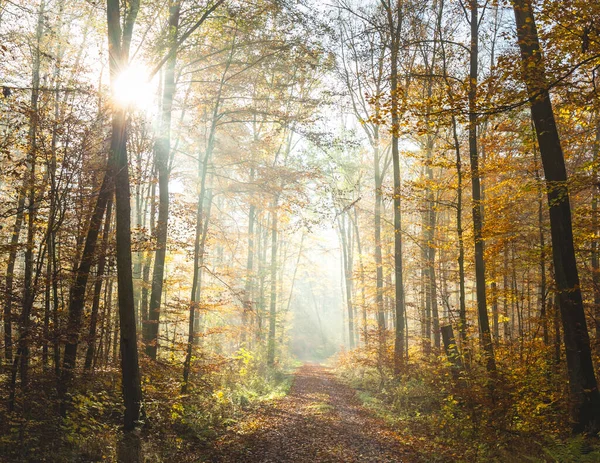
(451,350)
(273,301)
(583,390)
(10,274)
(377,231)
(89,356)
(29,190)
(595,259)
(395,26)
(495,311)
(362,278)
(505,299)
(347,278)
(148,256)
(119,43)
(484,324)
(161,150)
(543,284)
(249,283)
(199,245)
(77,294)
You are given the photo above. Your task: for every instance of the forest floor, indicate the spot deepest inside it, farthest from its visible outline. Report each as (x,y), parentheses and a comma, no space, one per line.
(320,420)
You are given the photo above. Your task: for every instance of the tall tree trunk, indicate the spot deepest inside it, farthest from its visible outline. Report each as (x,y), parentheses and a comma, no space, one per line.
(347,277)
(362,278)
(77,294)
(263,235)
(248,284)
(148,255)
(118,46)
(583,389)
(380,314)
(462,312)
(543,284)
(595,260)
(22,356)
(484,324)
(89,356)
(162,150)
(495,311)
(395,25)
(199,245)
(273,302)
(10,273)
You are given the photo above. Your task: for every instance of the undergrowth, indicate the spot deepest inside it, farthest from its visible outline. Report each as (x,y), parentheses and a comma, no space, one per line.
(178,427)
(520,416)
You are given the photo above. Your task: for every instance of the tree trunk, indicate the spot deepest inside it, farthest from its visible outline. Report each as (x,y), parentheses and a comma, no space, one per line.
(273,303)
(484,324)
(119,43)
(362,279)
(583,390)
(394,24)
(543,284)
(347,278)
(148,255)
(29,187)
(89,356)
(595,260)
(248,284)
(199,244)
(10,274)
(451,350)
(77,294)
(162,150)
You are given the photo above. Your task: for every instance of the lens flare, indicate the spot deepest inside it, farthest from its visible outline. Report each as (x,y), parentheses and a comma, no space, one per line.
(132,89)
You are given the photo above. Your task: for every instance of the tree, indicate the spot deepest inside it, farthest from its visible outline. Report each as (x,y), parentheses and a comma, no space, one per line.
(583,389)
(484,324)
(162,151)
(119,42)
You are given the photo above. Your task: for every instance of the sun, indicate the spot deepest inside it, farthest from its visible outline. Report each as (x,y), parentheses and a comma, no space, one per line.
(132,89)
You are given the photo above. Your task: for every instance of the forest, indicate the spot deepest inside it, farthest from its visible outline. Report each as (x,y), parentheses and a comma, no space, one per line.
(299,231)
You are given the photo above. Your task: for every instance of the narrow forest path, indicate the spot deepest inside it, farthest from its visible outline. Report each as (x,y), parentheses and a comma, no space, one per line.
(320,420)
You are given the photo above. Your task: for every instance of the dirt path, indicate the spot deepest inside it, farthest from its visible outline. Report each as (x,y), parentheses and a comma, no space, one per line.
(321,420)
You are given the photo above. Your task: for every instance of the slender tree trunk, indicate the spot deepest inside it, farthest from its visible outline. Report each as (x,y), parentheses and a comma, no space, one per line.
(77,294)
(263,242)
(347,278)
(495,311)
(362,279)
(199,244)
(148,256)
(484,324)
(543,284)
(89,356)
(273,303)
(505,299)
(22,356)
(162,150)
(394,24)
(119,42)
(595,260)
(10,274)
(248,284)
